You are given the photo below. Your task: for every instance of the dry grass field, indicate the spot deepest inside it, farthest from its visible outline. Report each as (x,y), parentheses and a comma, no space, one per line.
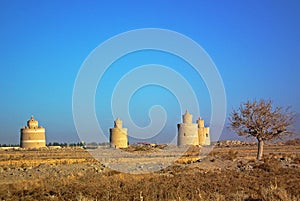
(229,172)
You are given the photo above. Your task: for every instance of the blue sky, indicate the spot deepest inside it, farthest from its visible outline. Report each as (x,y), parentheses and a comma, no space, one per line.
(254,44)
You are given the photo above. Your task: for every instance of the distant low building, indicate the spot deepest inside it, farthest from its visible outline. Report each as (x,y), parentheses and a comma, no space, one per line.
(32,135)
(146,144)
(190,133)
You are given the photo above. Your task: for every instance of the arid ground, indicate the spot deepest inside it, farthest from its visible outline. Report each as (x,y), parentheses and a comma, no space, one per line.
(229,172)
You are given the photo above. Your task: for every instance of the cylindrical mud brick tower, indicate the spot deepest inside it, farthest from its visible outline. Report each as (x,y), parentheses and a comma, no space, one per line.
(187,131)
(32,135)
(203,133)
(118,135)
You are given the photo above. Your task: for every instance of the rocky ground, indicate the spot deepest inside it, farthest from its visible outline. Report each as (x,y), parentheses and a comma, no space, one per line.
(228,172)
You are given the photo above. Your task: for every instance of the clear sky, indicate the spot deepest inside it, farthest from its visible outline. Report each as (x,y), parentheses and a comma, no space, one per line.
(254,44)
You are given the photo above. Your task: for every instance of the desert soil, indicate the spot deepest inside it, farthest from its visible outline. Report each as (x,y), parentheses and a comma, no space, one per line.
(228,172)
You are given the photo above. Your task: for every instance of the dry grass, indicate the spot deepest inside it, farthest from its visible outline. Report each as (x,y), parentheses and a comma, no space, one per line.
(182,185)
(246,180)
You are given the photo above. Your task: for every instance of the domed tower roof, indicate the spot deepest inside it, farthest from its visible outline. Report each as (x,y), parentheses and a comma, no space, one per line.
(118,123)
(32,123)
(187,117)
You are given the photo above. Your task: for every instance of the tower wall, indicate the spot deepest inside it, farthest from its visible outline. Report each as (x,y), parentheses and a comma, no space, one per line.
(187,134)
(204,136)
(207,136)
(200,123)
(201,135)
(118,137)
(32,138)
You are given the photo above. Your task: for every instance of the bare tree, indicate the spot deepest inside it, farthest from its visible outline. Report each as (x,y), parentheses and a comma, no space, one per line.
(260,120)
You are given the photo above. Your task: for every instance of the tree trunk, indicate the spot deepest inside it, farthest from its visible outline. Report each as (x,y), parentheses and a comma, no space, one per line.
(260,149)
